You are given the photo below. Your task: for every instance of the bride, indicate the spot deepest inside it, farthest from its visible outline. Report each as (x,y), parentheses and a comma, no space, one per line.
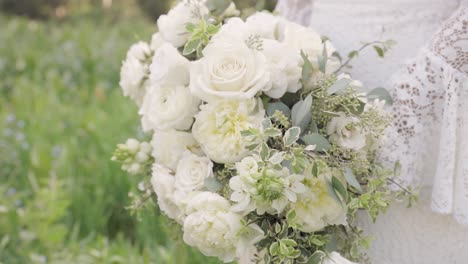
(427,74)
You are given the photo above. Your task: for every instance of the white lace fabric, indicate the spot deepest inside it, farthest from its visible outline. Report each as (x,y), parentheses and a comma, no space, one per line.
(429,133)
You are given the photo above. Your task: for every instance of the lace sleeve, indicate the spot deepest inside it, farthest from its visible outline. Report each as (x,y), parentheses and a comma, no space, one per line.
(298,11)
(429,134)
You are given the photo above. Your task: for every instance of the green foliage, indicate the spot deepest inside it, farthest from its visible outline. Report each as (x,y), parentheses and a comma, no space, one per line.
(200,35)
(62,200)
(32,8)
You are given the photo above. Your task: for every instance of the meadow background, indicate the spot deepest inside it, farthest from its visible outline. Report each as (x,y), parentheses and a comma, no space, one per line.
(61,115)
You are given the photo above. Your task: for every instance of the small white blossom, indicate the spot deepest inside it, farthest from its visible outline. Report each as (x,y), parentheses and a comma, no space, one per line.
(346,132)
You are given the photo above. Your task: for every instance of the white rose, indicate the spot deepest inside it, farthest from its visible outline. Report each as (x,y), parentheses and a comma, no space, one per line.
(263,24)
(169,67)
(162,180)
(172,26)
(212,228)
(192,171)
(336,258)
(168,147)
(219,124)
(230,70)
(315,208)
(285,66)
(168,107)
(345,132)
(134,71)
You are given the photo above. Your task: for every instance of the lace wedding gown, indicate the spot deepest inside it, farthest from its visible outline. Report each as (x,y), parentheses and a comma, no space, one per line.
(427,74)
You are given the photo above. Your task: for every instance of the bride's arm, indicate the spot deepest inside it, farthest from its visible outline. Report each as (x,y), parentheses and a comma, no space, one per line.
(298,11)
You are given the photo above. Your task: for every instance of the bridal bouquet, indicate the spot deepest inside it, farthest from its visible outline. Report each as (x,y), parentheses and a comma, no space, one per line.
(261,151)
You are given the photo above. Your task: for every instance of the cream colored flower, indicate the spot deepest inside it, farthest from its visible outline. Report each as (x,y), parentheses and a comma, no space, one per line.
(172,26)
(162,180)
(219,124)
(212,228)
(134,71)
(168,107)
(192,171)
(229,70)
(168,147)
(315,208)
(346,132)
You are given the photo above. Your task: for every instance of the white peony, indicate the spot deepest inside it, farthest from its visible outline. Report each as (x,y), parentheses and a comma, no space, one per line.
(335,258)
(169,146)
(263,24)
(346,132)
(219,124)
(211,227)
(285,66)
(192,171)
(169,67)
(134,71)
(315,208)
(168,107)
(229,70)
(172,26)
(162,180)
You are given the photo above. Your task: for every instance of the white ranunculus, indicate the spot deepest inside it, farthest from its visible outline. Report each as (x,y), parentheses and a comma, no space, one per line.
(285,66)
(168,107)
(346,132)
(229,70)
(263,24)
(169,67)
(134,71)
(211,227)
(219,124)
(336,258)
(162,180)
(168,147)
(192,171)
(315,208)
(172,26)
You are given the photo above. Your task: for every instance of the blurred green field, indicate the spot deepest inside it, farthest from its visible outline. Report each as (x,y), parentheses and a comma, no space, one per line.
(61,114)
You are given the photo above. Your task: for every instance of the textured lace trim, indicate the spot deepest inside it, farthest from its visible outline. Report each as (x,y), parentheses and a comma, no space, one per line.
(430,126)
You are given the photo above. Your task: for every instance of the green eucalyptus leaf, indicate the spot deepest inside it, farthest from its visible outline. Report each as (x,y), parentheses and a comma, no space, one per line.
(213,185)
(381,94)
(291,136)
(280,106)
(264,151)
(315,169)
(339,85)
(353,54)
(351,179)
(379,51)
(317,257)
(274,249)
(332,192)
(289,242)
(272,132)
(301,113)
(307,68)
(318,140)
(322,60)
(338,186)
(191,46)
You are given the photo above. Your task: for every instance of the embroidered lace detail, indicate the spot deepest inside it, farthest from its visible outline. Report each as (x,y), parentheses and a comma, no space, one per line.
(429,132)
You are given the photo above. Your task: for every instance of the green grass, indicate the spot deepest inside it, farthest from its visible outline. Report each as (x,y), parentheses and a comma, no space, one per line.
(61,114)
